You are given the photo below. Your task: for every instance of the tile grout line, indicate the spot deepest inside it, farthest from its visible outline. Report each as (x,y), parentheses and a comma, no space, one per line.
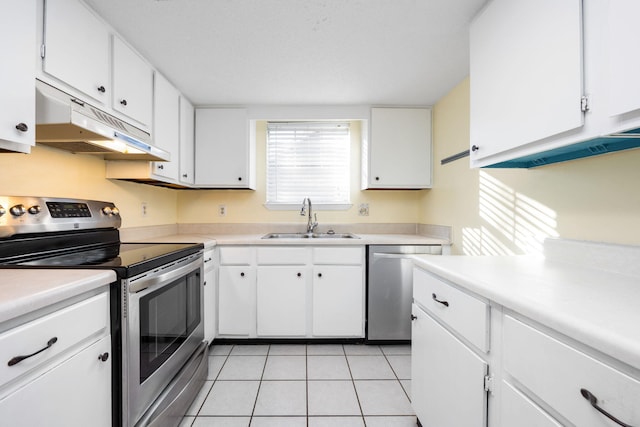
(353,383)
(264,367)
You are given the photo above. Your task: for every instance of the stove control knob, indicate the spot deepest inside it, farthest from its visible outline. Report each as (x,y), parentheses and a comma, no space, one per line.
(35,209)
(115,211)
(2,210)
(17,210)
(107,210)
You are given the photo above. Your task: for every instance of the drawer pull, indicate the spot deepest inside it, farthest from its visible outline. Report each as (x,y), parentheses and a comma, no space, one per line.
(594,402)
(414,317)
(103,357)
(435,298)
(19,359)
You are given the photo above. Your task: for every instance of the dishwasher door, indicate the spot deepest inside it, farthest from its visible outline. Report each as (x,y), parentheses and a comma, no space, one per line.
(390,290)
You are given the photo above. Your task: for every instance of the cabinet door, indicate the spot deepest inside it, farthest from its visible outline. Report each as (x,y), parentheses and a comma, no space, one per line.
(624,66)
(338,301)
(236,288)
(77,48)
(400,148)
(132,84)
(526,73)
(187,147)
(281,301)
(223,149)
(166,126)
(447,385)
(17,103)
(210,297)
(75,393)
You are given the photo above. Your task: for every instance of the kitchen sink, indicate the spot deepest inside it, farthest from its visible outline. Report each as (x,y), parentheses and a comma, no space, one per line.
(310,236)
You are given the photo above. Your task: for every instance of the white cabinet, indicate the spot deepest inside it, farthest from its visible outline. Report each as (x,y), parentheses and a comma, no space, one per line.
(338,292)
(236,291)
(187,141)
(551,370)
(397,151)
(75,49)
(526,73)
(166,127)
(552,81)
(132,84)
(17,103)
(210,296)
(281,301)
(225,149)
(449,361)
(74,366)
(447,376)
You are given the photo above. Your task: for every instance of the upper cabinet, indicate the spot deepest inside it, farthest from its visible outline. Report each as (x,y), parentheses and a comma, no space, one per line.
(552,81)
(17,103)
(166,126)
(187,136)
(224,149)
(132,83)
(75,49)
(396,153)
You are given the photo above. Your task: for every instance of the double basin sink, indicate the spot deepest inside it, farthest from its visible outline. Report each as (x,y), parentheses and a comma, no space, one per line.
(310,236)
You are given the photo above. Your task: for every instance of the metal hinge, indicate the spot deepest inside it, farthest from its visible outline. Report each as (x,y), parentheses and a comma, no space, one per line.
(43,49)
(488,383)
(584,103)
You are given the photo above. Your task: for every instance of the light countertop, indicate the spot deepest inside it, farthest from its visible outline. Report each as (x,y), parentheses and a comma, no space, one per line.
(23,291)
(594,306)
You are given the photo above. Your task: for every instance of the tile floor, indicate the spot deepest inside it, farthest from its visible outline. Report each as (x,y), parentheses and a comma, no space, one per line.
(313,385)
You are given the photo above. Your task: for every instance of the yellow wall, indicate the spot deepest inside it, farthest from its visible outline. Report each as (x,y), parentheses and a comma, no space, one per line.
(244,206)
(513,210)
(55,173)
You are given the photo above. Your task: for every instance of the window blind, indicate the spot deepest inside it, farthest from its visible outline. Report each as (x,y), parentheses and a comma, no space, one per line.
(308,159)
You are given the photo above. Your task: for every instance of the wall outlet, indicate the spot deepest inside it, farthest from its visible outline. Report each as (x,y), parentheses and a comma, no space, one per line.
(222,210)
(144,209)
(363,210)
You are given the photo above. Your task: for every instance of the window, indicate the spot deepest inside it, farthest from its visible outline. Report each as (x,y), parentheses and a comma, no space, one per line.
(308,159)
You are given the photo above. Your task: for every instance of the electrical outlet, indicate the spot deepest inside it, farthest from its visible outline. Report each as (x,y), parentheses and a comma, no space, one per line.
(222,210)
(144,208)
(363,210)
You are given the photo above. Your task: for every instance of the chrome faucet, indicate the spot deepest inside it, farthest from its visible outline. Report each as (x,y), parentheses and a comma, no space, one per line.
(311,225)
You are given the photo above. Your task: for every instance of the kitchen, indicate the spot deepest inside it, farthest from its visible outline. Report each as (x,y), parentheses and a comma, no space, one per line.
(590,199)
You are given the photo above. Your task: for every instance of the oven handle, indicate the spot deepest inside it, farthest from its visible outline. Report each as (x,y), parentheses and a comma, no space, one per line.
(162,279)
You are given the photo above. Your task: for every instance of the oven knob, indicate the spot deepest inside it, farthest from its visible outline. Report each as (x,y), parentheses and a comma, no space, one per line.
(35,209)
(17,210)
(2,210)
(115,211)
(107,210)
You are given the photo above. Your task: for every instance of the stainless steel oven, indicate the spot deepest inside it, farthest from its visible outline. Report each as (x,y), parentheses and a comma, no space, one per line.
(162,321)
(159,354)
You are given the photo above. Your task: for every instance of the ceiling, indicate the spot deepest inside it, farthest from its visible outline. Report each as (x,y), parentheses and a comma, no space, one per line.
(301,52)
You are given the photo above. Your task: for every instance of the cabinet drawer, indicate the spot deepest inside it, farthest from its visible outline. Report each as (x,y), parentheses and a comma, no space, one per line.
(556,372)
(209,262)
(282,256)
(466,314)
(70,326)
(518,410)
(333,255)
(239,255)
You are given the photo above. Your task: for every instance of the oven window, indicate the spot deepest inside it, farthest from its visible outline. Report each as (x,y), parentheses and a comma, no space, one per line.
(167,317)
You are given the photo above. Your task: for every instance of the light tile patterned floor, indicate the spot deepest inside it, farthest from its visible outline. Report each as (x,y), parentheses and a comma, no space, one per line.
(298,385)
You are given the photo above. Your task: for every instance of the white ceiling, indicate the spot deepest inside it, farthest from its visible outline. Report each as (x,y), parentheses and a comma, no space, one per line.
(301,52)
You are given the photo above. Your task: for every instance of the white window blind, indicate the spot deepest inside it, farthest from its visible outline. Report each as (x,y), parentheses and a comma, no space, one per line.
(308,159)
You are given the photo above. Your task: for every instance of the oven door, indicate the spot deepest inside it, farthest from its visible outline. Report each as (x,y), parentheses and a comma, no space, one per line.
(163,326)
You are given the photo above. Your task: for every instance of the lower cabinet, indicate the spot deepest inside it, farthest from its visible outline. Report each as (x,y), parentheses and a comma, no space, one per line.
(291,292)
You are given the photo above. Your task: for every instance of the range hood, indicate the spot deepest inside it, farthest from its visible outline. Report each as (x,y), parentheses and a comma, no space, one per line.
(67,123)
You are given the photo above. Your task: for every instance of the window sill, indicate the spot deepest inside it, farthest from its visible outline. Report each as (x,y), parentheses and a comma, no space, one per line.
(315,207)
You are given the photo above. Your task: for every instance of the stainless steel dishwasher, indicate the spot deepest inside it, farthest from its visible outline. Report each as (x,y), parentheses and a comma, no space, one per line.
(390,290)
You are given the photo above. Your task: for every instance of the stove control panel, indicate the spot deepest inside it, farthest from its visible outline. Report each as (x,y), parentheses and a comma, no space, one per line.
(20,215)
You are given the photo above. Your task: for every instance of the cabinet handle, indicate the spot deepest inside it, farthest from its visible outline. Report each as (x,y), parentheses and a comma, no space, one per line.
(239,178)
(594,402)
(22,127)
(184,175)
(299,274)
(443,302)
(208,260)
(160,166)
(413,317)
(101,89)
(377,178)
(103,357)
(124,102)
(204,283)
(241,274)
(319,274)
(19,359)
(474,148)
